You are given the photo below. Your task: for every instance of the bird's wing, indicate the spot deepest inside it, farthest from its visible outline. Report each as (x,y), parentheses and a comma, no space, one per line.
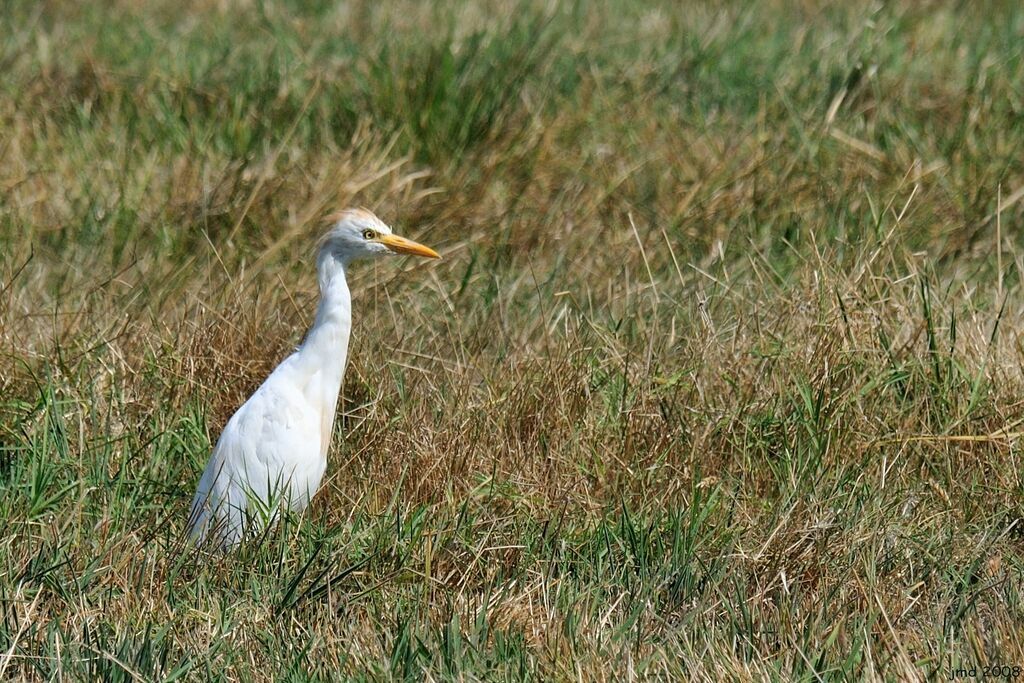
(209,501)
(272,437)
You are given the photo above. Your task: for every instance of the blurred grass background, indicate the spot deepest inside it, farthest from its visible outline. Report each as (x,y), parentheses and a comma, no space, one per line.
(720,377)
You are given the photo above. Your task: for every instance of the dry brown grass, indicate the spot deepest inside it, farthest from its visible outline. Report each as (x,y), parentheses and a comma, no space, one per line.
(719,377)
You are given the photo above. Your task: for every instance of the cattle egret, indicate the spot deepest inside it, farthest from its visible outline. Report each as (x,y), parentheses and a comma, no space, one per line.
(273,451)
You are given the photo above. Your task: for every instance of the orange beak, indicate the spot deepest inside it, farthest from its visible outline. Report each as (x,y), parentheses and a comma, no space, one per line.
(400,245)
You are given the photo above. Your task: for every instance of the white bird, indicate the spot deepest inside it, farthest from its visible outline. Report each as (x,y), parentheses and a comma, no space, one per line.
(273,450)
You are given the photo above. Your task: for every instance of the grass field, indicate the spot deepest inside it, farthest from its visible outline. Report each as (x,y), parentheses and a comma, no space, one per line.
(721,376)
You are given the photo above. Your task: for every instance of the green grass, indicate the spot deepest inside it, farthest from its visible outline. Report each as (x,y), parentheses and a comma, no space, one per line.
(719,378)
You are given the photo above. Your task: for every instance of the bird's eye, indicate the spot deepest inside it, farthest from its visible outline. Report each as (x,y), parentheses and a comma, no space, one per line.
(369,234)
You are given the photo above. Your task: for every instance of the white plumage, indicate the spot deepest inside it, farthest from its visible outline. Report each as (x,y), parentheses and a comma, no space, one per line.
(273,450)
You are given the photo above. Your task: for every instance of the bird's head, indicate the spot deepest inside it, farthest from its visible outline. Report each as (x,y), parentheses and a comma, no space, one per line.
(358,234)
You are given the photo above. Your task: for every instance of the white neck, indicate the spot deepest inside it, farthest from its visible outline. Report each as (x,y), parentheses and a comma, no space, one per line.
(325,348)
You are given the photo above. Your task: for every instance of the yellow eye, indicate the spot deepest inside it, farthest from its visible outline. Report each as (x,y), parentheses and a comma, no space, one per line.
(369,234)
